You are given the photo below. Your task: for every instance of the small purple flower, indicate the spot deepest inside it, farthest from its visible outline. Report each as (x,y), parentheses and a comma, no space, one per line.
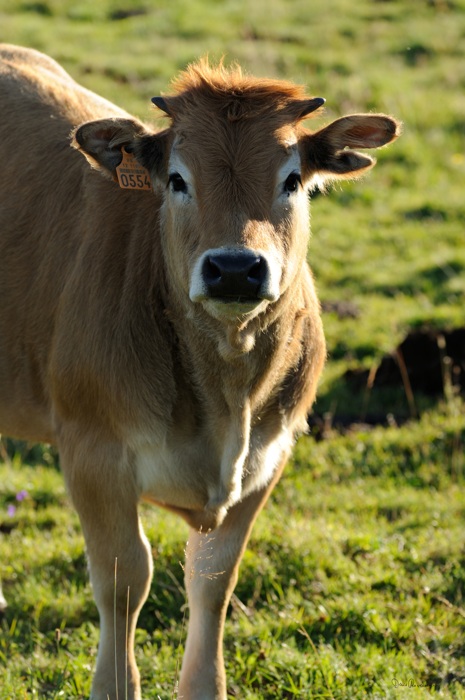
(22,495)
(11,510)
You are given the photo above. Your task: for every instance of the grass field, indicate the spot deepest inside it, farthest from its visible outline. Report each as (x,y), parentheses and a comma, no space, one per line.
(362,593)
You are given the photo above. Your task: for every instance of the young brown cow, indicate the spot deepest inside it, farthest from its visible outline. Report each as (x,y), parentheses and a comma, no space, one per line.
(167,340)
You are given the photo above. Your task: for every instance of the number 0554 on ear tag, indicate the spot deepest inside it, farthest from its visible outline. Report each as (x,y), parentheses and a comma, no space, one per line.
(131,175)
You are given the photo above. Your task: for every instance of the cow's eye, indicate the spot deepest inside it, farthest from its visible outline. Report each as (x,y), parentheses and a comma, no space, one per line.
(177,183)
(292,182)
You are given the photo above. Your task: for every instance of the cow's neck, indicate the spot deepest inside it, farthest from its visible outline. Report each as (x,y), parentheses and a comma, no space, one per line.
(227,389)
(227,379)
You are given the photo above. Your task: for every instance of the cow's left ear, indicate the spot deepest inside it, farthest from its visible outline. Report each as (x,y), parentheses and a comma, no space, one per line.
(102,143)
(328,154)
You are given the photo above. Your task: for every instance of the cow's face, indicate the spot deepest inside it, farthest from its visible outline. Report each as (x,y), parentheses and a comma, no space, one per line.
(236,218)
(235,187)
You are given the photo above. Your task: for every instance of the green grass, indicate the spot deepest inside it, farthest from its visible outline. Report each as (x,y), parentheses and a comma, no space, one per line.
(364,589)
(365,585)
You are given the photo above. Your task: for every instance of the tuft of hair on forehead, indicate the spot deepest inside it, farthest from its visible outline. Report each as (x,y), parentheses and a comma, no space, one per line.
(229,90)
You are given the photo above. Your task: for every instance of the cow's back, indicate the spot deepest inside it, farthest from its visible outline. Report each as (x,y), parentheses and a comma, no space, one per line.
(42,185)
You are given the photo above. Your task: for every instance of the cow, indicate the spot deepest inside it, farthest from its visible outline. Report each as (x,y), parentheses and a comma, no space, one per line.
(158,320)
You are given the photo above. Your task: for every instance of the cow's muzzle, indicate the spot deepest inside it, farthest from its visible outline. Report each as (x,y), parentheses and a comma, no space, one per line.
(234,275)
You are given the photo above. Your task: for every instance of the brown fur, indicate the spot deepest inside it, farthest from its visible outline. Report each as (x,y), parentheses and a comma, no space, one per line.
(146,393)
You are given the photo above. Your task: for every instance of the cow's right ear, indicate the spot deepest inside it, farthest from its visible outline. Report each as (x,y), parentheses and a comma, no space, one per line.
(102,143)
(328,154)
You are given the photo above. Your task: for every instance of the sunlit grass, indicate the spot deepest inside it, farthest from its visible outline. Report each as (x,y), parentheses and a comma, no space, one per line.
(363,585)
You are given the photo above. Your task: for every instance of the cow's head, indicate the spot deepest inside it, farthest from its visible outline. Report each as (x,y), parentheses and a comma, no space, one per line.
(235,167)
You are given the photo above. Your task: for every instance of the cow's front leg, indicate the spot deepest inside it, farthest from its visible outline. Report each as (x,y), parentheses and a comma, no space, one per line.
(3,603)
(212,563)
(120,566)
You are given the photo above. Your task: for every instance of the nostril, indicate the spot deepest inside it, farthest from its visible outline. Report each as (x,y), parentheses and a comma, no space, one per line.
(257,272)
(211,271)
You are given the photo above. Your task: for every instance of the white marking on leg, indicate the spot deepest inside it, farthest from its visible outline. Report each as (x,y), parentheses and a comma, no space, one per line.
(232,463)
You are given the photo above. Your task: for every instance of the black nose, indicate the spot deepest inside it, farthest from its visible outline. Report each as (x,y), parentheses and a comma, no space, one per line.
(234,275)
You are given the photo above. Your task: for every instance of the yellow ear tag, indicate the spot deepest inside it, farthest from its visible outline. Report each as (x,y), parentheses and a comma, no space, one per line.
(131,175)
